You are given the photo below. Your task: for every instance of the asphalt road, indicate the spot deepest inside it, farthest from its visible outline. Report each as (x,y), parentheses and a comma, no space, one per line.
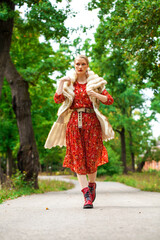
(120,213)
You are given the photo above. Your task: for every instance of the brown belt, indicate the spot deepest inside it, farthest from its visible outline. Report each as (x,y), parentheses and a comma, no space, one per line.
(80,110)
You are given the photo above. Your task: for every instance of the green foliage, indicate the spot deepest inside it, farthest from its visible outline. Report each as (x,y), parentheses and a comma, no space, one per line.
(113,166)
(31,2)
(128,110)
(42,90)
(42,17)
(18,180)
(155,105)
(42,62)
(46,19)
(4,11)
(128,63)
(87,47)
(36,61)
(155,154)
(134,27)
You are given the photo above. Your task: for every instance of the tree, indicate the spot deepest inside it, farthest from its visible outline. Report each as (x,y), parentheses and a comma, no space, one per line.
(114,56)
(40,15)
(134,27)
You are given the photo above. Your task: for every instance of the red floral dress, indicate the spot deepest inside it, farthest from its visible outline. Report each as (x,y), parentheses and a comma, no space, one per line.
(85,150)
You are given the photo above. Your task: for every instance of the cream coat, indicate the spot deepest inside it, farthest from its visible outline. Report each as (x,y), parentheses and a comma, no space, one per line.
(57,134)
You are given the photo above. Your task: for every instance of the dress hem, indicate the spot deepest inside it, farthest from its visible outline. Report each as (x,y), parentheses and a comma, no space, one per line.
(84,173)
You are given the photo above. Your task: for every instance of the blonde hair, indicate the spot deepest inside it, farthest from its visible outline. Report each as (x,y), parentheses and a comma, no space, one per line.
(82,56)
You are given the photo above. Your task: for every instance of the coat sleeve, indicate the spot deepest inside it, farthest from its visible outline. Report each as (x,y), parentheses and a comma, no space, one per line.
(59,98)
(109,98)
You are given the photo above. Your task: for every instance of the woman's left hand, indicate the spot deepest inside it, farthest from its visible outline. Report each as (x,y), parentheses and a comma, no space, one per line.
(99,96)
(92,93)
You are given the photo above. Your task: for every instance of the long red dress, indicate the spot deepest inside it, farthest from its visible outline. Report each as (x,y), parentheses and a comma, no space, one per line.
(85,150)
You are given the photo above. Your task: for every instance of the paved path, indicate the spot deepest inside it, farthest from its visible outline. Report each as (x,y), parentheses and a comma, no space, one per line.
(120,213)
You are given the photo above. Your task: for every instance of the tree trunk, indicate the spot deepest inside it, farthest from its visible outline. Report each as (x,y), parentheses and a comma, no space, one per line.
(28,158)
(140,166)
(6,28)
(132,153)
(2,175)
(0,172)
(133,161)
(123,150)
(9,162)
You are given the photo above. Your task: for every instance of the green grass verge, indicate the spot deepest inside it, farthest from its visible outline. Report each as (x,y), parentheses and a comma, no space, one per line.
(44,186)
(145,181)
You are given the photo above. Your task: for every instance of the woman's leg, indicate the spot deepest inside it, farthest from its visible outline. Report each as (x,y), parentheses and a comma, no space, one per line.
(82,180)
(92,185)
(92,177)
(85,190)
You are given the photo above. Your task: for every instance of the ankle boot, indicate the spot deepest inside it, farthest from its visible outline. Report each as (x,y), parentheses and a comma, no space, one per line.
(92,188)
(87,198)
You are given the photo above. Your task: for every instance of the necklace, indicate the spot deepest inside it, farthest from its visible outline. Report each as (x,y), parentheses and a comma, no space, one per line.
(82,82)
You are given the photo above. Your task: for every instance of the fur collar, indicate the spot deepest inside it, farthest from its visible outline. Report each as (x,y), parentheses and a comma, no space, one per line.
(94,82)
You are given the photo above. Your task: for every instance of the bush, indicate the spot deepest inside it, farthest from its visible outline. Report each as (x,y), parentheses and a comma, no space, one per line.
(112,167)
(18,180)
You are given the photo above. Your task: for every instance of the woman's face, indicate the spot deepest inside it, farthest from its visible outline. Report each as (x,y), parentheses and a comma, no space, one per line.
(80,66)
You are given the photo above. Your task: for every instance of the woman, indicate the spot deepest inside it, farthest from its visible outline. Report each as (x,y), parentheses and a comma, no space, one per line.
(80,126)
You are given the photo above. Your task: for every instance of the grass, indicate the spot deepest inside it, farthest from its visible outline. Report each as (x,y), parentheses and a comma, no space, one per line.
(146,181)
(11,192)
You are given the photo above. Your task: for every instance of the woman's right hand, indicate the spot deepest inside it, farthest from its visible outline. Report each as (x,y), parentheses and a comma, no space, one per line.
(60,87)
(66,79)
